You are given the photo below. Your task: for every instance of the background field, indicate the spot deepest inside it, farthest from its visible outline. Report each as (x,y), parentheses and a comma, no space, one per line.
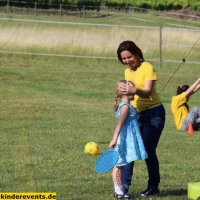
(99,39)
(52,106)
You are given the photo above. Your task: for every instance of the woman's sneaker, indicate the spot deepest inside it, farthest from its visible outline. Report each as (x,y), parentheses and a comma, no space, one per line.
(127,196)
(150,191)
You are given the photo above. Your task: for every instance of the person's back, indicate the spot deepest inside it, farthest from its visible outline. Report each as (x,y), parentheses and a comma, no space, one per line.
(179,109)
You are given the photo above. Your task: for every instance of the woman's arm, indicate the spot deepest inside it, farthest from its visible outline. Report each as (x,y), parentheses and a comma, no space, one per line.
(123,115)
(193,88)
(146,92)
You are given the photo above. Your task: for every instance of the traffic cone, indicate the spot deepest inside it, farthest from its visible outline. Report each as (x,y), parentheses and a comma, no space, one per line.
(190,129)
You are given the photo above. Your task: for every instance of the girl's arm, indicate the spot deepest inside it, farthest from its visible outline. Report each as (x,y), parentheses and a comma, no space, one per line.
(131,89)
(123,115)
(197,88)
(193,88)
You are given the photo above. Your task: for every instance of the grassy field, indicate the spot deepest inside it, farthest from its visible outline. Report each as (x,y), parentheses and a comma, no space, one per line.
(99,36)
(52,106)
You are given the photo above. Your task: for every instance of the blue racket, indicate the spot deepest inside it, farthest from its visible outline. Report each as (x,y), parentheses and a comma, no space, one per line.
(106,161)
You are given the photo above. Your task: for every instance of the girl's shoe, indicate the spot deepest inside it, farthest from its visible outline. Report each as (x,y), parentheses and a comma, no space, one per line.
(118,196)
(122,196)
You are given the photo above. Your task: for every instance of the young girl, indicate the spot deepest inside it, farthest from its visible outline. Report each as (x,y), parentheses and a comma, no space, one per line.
(127,138)
(182,116)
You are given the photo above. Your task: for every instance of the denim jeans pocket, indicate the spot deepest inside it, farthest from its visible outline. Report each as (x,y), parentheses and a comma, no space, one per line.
(158,117)
(156,121)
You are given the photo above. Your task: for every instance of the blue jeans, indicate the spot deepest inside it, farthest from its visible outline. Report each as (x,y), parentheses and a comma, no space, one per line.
(152,123)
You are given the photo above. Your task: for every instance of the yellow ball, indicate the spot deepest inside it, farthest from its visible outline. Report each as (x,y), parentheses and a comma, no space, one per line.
(91,148)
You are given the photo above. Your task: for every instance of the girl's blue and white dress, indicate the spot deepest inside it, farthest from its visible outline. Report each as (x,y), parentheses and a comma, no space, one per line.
(130,145)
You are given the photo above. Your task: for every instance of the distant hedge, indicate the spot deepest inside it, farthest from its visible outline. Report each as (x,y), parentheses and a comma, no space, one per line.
(193,5)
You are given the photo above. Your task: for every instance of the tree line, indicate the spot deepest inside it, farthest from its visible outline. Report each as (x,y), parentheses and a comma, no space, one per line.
(163,5)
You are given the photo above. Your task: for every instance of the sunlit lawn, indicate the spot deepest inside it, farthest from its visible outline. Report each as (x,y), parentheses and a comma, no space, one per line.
(52,106)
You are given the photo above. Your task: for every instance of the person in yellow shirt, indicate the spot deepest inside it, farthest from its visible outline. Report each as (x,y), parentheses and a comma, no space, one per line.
(151,112)
(180,109)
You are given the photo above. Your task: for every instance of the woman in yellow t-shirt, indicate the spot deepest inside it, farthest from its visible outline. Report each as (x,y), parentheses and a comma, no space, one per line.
(151,112)
(182,116)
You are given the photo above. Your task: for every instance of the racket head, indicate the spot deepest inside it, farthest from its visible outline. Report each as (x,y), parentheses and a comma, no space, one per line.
(106,161)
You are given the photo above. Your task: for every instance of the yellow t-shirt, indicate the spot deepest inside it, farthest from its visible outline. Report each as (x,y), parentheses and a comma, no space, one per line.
(179,110)
(144,73)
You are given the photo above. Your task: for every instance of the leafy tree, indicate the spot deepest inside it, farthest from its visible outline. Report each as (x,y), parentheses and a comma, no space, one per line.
(196,6)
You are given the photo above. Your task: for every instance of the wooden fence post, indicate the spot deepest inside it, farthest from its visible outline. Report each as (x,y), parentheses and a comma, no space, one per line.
(84,11)
(60,10)
(7,7)
(160,48)
(35,11)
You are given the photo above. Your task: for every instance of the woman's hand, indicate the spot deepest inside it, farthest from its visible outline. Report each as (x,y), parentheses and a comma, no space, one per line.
(128,88)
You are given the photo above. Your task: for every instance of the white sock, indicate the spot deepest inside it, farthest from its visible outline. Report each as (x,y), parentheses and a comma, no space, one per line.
(119,189)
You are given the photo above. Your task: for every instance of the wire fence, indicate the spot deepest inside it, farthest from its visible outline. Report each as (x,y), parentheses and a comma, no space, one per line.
(160,44)
(65,11)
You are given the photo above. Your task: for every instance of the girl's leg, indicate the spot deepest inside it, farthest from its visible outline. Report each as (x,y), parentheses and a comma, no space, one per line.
(192,117)
(194,114)
(117,180)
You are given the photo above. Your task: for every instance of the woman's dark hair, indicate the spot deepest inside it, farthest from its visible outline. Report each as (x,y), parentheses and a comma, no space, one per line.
(180,90)
(131,47)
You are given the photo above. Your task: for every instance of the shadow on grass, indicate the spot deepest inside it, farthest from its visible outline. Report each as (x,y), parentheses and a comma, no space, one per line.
(103,142)
(166,194)
(176,192)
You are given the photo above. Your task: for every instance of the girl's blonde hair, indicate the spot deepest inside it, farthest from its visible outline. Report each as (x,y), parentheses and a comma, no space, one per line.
(118,92)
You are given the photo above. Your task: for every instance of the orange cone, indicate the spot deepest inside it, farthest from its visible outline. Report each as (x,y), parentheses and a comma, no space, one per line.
(190,129)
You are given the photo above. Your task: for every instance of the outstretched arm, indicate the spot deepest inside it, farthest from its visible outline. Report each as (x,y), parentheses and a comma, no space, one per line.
(193,88)
(123,114)
(197,88)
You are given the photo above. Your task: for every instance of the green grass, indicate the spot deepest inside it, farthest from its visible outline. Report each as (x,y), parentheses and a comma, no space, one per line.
(50,108)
